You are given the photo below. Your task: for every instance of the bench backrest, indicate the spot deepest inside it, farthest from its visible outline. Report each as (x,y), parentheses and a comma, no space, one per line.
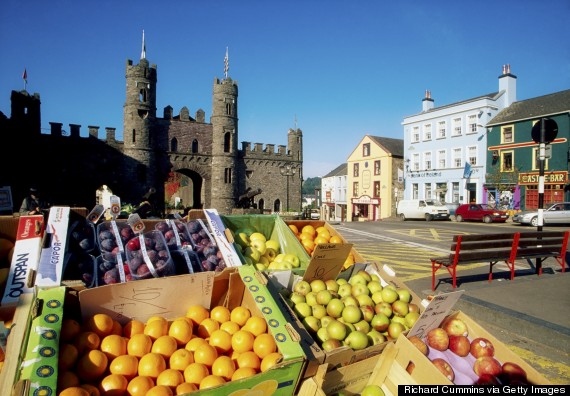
(508,246)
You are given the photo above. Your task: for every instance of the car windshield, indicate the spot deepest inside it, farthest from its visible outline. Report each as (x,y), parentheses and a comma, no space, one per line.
(433,203)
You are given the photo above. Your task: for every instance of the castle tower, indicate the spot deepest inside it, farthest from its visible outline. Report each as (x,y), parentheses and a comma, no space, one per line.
(224,120)
(295,151)
(142,140)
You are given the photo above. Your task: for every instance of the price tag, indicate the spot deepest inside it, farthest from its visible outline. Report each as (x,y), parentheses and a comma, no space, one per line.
(327,261)
(115,208)
(435,312)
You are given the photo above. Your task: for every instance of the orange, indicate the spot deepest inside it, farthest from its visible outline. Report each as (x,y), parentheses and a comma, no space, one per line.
(308,245)
(68,355)
(74,391)
(133,327)
(92,389)
(294,228)
(156,317)
(92,365)
(69,329)
(86,341)
(186,387)
(151,365)
(165,346)
(101,324)
(194,343)
(206,327)
(304,236)
(256,325)
(113,384)
(126,365)
(264,344)
(117,328)
(156,328)
(320,239)
(230,327)
(171,378)
(160,390)
(220,313)
(67,379)
(224,366)
(240,315)
(335,239)
(270,360)
(221,340)
(205,354)
(139,345)
(139,386)
(243,372)
(248,359)
(114,345)
(309,229)
(180,359)
(195,373)
(197,313)
(181,330)
(211,381)
(186,318)
(242,341)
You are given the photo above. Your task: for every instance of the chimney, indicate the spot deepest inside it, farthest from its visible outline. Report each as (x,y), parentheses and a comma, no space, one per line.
(427,102)
(93,131)
(508,85)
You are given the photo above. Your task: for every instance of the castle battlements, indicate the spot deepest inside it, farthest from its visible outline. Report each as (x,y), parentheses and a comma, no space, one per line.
(268,150)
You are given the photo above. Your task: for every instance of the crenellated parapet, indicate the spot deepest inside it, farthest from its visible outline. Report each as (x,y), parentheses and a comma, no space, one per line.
(267,150)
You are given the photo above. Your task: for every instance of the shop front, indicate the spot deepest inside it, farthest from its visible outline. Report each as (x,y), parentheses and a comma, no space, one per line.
(555,188)
(365,208)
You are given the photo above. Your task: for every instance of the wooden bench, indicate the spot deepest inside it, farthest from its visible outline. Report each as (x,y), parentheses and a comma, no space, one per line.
(506,247)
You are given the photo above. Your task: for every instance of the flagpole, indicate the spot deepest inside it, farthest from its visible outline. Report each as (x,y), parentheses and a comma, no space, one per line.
(25,77)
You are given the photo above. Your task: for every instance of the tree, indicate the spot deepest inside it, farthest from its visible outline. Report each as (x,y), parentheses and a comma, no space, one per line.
(310,184)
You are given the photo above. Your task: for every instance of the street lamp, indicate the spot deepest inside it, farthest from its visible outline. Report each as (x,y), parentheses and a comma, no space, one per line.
(287,170)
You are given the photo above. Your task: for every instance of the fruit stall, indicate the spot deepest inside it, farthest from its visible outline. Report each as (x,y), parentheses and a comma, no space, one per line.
(222,304)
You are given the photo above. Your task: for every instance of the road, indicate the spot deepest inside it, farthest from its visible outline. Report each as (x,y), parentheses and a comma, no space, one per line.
(523,322)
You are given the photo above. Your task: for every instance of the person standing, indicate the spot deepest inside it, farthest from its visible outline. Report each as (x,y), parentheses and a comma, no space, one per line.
(33,204)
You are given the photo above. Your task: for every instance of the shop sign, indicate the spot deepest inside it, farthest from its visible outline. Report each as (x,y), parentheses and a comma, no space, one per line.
(365,199)
(549,178)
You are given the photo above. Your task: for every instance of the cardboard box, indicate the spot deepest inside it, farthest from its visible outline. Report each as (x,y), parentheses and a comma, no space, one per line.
(319,223)
(161,296)
(342,356)
(50,267)
(424,372)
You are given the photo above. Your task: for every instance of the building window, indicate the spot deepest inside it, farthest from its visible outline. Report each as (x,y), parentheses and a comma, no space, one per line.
(457,161)
(355,189)
(507,134)
(441,164)
(427,132)
(427,160)
(472,155)
(416,162)
(536,159)
(457,127)
(174,145)
(194,146)
(427,190)
(228,175)
(377,167)
(366,150)
(376,189)
(455,191)
(441,129)
(415,191)
(227,142)
(507,161)
(416,135)
(228,109)
(356,170)
(472,124)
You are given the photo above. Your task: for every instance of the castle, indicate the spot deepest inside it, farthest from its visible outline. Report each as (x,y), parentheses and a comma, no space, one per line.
(69,167)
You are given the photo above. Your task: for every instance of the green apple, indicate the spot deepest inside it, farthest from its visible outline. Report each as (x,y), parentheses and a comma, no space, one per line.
(325,320)
(302,287)
(335,308)
(248,260)
(270,253)
(357,340)
(374,277)
(312,324)
(332,285)
(297,297)
(359,288)
(375,337)
(279,258)
(319,311)
(337,330)
(345,290)
(404,295)
(257,236)
(303,310)
(263,260)
(322,334)
(372,390)
(377,297)
(374,286)
(357,278)
(400,308)
(398,319)
(259,245)
(261,267)
(351,314)
(273,244)
(411,319)
(252,253)
(285,265)
(367,312)
(350,300)
(380,322)
(331,344)
(384,308)
(293,259)
(241,239)
(365,275)
(341,281)
(364,299)
(389,295)
(323,296)
(362,325)
(311,298)
(395,329)
(317,285)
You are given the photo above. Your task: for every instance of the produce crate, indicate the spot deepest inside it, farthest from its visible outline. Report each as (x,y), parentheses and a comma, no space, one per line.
(161,296)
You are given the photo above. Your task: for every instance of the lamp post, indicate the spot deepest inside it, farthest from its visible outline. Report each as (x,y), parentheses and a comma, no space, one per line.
(287,170)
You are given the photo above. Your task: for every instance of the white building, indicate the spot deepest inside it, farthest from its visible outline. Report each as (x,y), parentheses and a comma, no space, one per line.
(445,147)
(333,193)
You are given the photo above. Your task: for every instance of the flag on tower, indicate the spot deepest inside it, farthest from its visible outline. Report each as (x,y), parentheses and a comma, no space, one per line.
(226,64)
(25,75)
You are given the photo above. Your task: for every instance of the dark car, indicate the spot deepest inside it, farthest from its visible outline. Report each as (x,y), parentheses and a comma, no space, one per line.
(480,212)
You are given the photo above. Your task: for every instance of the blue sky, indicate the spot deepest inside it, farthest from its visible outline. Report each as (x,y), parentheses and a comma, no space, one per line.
(341,69)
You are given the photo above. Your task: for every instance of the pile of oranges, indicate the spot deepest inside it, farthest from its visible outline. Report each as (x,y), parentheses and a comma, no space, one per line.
(310,236)
(203,349)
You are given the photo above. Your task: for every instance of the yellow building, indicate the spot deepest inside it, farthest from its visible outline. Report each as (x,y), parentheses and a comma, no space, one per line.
(375,178)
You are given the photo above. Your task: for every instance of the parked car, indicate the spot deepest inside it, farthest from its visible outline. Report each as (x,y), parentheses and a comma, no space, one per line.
(480,212)
(315,214)
(427,209)
(557,213)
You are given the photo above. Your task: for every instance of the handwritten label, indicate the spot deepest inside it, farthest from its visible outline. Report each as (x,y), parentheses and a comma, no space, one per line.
(327,261)
(435,312)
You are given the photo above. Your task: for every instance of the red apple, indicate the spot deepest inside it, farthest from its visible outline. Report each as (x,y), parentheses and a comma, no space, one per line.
(459,345)
(482,347)
(455,326)
(487,365)
(438,339)
(445,368)
(513,372)
(487,379)
(418,343)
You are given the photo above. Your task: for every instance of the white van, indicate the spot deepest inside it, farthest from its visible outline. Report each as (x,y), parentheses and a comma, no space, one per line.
(427,209)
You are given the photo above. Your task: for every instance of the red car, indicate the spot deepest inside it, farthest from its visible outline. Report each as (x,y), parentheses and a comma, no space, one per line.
(480,212)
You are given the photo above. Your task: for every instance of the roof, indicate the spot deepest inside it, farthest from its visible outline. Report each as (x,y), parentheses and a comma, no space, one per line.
(341,170)
(393,146)
(555,103)
(490,96)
